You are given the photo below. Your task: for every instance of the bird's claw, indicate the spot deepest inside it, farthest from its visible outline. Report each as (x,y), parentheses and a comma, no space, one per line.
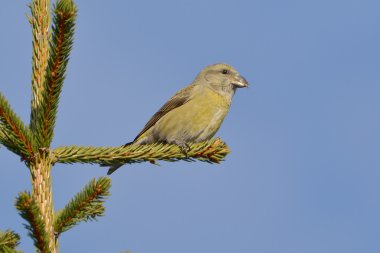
(184,148)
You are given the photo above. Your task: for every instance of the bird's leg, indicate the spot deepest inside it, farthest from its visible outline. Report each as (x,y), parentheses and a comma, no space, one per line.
(183,146)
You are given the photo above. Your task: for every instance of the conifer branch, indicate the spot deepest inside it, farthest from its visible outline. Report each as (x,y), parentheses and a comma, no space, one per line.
(13,133)
(85,206)
(212,151)
(9,240)
(30,211)
(2,135)
(6,249)
(64,15)
(40,23)
(40,169)
(51,50)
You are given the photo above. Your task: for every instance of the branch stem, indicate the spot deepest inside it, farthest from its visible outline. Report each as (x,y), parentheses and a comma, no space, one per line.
(42,193)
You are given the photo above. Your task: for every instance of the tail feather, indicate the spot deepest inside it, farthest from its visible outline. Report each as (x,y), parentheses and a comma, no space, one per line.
(129,143)
(114,167)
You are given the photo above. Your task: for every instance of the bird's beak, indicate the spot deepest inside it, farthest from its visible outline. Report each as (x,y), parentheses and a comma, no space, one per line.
(240,82)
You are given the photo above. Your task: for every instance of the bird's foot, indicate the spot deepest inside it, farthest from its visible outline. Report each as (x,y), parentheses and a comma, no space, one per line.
(184,147)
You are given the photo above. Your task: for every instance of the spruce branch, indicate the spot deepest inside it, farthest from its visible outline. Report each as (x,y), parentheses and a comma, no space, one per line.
(51,50)
(40,23)
(42,193)
(30,211)
(13,133)
(9,240)
(85,206)
(7,249)
(64,15)
(2,134)
(212,151)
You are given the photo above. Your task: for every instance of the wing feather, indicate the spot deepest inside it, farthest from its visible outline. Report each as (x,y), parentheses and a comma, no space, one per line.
(180,98)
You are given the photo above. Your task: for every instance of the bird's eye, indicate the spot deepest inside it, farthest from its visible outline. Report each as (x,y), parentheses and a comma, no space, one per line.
(225,71)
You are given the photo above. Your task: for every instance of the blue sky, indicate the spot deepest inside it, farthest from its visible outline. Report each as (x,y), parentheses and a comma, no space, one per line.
(303,174)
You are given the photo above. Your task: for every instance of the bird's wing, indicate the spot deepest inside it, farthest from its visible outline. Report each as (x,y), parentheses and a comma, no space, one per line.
(179,99)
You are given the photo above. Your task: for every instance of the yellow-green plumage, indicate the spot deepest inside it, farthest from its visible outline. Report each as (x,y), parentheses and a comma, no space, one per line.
(195,121)
(196,112)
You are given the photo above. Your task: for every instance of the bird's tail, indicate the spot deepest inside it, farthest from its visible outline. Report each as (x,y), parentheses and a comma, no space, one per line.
(129,143)
(114,167)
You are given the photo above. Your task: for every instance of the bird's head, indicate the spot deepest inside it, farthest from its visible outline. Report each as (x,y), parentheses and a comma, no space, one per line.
(222,78)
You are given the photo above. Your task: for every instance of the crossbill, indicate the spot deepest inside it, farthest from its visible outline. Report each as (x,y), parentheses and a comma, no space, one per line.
(195,113)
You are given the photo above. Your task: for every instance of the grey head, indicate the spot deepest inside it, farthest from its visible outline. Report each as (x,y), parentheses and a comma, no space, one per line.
(222,78)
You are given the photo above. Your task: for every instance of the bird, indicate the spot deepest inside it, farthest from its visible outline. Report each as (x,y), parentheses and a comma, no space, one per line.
(195,113)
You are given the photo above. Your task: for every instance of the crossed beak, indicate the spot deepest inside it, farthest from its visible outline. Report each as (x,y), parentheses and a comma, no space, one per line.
(240,82)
